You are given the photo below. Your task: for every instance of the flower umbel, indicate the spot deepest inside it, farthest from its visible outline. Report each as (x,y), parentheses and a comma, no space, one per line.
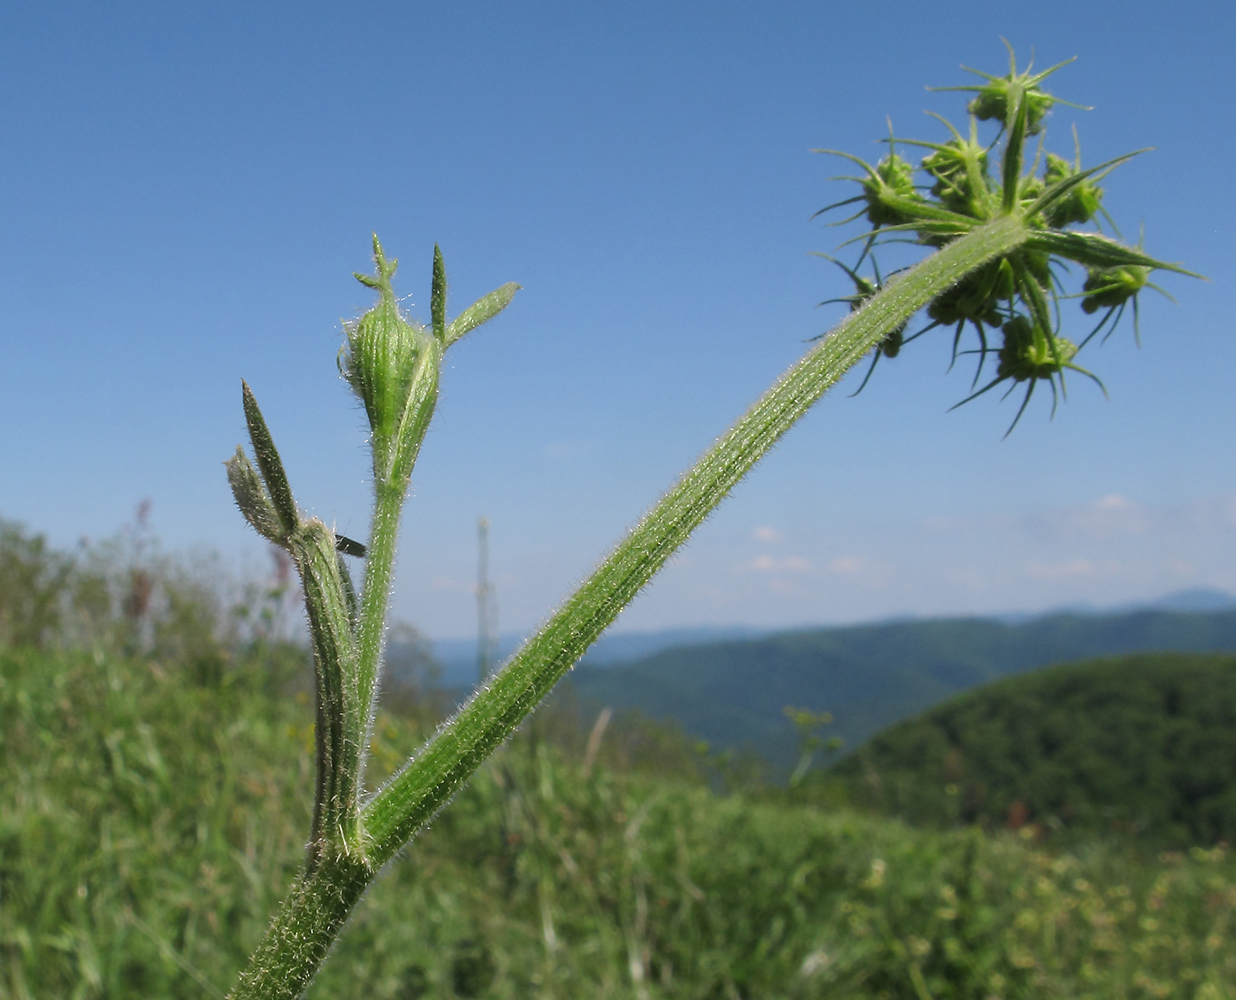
(1012,304)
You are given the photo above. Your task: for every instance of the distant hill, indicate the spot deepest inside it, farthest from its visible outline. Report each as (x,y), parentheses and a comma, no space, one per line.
(457,657)
(1197,599)
(734,693)
(1194,599)
(1143,743)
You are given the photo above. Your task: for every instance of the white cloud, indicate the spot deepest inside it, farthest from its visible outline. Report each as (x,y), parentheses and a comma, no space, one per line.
(764,533)
(1062,570)
(789,564)
(846,565)
(1108,516)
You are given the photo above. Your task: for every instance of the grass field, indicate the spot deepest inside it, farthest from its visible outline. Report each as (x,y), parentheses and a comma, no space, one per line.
(151,817)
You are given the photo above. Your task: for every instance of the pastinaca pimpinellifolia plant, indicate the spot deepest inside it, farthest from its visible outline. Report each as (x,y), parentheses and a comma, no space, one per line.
(1000,228)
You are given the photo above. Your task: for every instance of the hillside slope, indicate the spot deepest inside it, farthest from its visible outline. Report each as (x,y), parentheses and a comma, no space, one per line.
(1143,743)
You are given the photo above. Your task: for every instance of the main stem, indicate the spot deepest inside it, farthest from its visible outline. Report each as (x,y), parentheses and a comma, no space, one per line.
(319,903)
(430,778)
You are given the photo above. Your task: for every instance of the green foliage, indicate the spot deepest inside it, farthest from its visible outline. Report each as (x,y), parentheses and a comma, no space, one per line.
(148,824)
(33,582)
(1140,744)
(151,820)
(143,816)
(123,595)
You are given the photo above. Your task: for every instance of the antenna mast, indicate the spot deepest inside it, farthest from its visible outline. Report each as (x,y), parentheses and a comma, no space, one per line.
(486,604)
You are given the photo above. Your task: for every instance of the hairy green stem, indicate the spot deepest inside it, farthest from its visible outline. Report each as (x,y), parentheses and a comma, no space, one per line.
(390,491)
(428,780)
(338,729)
(301,933)
(379,571)
(296,943)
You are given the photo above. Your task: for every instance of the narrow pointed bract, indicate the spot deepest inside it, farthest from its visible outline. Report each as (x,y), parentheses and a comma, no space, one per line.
(437,295)
(253,500)
(269,462)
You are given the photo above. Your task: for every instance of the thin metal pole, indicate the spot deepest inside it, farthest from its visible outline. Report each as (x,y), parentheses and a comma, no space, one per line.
(486,609)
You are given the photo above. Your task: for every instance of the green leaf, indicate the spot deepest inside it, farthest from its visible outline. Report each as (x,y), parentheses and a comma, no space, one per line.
(269,462)
(1096,250)
(481,311)
(1010,167)
(342,710)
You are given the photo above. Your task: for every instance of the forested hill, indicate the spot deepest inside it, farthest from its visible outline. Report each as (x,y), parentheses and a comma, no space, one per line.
(869,677)
(1144,744)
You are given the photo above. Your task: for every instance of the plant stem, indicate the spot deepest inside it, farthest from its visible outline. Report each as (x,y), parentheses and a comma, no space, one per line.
(379,569)
(295,944)
(430,778)
(391,478)
(320,901)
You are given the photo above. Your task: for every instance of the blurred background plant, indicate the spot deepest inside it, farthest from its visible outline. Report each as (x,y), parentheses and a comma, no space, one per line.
(154,811)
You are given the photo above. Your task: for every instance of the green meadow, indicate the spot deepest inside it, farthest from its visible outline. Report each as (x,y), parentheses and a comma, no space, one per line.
(156,775)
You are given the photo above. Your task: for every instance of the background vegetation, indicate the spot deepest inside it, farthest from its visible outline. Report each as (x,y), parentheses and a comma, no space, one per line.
(868,677)
(156,768)
(1142,744)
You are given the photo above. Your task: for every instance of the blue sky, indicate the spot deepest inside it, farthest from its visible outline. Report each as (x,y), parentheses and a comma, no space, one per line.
(188,189)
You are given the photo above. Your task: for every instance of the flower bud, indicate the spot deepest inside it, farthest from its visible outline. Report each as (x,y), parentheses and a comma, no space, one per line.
(384,358)
(379,358)
(1030,352)
(1112,287)
(1080,205)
